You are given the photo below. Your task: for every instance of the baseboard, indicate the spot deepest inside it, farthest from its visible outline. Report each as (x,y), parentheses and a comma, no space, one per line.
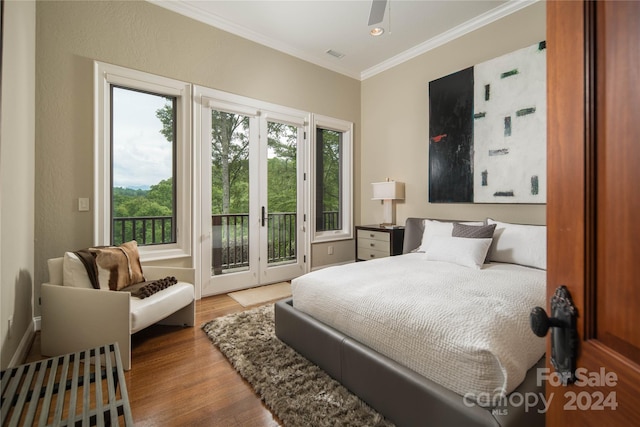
(332,265)
(22,351)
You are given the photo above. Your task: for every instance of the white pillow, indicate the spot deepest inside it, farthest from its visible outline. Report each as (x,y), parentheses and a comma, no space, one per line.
(75,274)
(438,228)
(458,250)
(519,244)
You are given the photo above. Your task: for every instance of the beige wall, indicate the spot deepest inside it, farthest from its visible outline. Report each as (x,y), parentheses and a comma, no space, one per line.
(395,121)
(17,178)
(143,36)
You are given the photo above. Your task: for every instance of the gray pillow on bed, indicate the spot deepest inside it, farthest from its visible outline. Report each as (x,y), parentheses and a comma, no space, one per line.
(473,231)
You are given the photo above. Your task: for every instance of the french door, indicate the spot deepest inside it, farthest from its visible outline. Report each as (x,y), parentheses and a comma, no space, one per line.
(252,193)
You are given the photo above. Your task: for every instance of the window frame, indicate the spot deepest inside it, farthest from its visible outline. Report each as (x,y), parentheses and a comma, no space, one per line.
(106,75)
(346,165)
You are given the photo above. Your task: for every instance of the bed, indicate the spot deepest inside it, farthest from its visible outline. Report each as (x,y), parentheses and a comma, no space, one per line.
(471,361)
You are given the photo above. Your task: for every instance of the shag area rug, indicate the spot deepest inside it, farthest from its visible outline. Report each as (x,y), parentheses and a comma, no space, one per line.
(296,391)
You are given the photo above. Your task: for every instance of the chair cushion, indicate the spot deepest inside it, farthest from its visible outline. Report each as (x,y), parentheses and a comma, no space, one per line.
(147,311)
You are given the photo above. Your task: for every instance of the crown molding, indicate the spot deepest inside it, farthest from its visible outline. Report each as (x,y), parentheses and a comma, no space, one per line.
(194,12)
(448,36)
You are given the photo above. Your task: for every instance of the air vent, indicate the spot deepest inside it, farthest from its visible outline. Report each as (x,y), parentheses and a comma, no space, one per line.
(335,53)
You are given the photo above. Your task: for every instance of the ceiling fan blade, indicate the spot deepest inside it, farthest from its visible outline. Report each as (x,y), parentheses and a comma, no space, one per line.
(377,11)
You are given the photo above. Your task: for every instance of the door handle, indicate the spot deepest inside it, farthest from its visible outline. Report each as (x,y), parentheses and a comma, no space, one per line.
(264,216)
(564,336)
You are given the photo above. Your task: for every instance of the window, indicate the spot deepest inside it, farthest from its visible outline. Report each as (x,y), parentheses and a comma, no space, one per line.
(328,180)
(332,179)
(143,173)
(143,127)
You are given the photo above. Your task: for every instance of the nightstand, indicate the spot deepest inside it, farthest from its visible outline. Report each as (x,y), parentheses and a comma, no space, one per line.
(375,241)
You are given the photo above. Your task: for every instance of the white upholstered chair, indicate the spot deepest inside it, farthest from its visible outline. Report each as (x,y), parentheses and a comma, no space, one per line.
(79,318)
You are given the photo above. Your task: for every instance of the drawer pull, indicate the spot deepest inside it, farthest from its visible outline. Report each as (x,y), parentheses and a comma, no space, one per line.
(372,256)
(372,245)
(372,235)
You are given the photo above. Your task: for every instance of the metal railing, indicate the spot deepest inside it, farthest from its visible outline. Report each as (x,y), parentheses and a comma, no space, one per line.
(330,221)
(230,239)
(146,230)
(230,242)
(230,236)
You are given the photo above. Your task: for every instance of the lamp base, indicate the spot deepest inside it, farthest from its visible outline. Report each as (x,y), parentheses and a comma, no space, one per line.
(389,214)
(390,226)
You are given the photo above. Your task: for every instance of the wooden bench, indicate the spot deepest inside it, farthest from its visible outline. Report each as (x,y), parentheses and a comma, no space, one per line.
(80,389)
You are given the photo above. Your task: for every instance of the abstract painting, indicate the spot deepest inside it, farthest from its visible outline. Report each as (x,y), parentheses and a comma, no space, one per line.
(487,131)
(451,138)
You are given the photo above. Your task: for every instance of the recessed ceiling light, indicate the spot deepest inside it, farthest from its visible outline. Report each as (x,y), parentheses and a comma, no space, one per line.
(377,31)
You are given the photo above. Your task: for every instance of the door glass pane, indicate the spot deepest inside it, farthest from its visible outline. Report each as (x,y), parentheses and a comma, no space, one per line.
(282,193)
(143,130)
(229,192)
(328,180)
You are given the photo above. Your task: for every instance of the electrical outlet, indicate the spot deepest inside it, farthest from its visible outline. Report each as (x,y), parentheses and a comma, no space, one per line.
(330,250)
(10,324)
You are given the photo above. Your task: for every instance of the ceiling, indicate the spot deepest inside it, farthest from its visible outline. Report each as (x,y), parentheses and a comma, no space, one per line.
(307,29)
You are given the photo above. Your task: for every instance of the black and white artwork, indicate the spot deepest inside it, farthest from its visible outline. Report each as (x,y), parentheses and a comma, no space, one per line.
(487,131)
(451,138)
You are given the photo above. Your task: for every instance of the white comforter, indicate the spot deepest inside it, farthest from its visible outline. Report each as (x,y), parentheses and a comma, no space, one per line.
(465,329)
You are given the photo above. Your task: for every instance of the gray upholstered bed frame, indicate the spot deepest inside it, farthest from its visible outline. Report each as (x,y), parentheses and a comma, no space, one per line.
(401,395)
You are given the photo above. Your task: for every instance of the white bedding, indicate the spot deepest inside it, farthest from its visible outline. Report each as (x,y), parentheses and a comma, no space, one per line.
(465,329)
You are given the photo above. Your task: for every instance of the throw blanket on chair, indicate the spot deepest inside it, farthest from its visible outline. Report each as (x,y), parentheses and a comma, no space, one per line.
(89,262)
(155,286)
(120,266)
(112,267)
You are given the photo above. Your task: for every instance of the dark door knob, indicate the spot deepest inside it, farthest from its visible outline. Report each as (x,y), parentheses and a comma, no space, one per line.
(540,322)
(564,337)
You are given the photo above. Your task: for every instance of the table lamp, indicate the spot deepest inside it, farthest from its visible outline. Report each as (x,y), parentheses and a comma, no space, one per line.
(388,191)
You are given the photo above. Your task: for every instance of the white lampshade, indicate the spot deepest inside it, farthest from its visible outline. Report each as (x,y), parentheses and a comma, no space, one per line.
(388,190)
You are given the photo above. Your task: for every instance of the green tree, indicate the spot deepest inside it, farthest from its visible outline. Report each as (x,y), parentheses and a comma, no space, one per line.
(162,193)
(128,202)
(230,164)
(167,116)
(328,162)
(282,167)
(229,160)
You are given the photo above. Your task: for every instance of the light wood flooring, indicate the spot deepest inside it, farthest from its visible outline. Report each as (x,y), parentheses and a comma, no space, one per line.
(178,378)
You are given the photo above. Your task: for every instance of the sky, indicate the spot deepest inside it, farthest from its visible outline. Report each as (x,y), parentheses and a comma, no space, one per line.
(142,156)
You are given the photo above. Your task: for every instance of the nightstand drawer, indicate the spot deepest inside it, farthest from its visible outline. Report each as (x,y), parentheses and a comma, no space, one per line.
(381,236)
(373,245)
(366,253)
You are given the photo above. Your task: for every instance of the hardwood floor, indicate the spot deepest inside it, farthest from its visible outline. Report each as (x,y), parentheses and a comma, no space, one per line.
(179,378)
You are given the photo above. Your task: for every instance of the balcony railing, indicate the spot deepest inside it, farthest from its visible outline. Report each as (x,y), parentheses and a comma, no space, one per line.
(230,236)
(231,240)
(146,230)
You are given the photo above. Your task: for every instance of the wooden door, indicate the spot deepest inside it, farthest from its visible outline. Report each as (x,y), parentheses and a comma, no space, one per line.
(593,211)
